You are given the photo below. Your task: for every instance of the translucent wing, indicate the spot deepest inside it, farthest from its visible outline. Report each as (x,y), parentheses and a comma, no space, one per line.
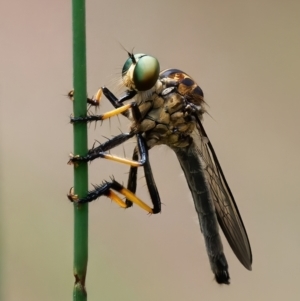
(226,209)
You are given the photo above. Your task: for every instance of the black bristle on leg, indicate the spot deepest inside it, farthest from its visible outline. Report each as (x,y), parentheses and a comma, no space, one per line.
(99,151)
(94,194)
(92,102)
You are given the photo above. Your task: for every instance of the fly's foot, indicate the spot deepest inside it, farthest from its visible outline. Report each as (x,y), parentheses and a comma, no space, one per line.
(87,119)
(72,160)
(71,196)
(71,95)
(75,159)
(94,101)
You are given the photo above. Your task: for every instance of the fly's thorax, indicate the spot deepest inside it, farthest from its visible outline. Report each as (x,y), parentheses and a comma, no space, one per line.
(168,121)
(149,95)
(149,100)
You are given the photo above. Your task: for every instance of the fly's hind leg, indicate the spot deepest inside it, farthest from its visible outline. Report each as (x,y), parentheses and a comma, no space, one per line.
(132,178)
(108,189)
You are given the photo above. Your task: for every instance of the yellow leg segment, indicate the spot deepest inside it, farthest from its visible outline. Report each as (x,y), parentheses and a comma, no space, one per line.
(134,199)
(122,160)
(116,111)
(115,198)
(130,196)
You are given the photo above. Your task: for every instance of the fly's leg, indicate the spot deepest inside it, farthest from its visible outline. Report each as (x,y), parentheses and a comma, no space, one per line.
(117,103)
(154,195)
(91,118)
(132,178)
(134,164)
(120,108)
(94,101)
(129,94)
(100,151)
(108,189)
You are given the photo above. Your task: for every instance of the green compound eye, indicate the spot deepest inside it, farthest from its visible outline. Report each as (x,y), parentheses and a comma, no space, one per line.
(145,73)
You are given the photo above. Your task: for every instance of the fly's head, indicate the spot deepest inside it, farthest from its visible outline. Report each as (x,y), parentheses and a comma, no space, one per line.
(140,72)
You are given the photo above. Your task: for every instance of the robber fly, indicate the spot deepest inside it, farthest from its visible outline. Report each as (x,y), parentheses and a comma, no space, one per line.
(167,108)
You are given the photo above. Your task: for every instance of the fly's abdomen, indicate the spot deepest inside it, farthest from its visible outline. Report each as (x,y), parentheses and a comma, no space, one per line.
(191,165)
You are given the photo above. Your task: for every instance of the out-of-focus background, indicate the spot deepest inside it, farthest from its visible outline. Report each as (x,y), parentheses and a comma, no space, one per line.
(244,55)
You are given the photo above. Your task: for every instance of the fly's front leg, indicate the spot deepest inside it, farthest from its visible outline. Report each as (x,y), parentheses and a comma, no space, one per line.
(108,189)
(100,151)
(129,94)
(91,118)
(120,108)
(94,101)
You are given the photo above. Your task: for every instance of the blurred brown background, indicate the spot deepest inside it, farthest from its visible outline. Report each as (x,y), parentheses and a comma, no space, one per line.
(244,55)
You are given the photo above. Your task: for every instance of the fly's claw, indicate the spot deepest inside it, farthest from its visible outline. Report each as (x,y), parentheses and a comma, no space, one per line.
(72,197)
(74,159)
(95,100)
(71,95)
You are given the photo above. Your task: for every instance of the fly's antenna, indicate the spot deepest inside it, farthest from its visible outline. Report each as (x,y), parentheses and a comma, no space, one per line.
(130,54)
(132,58)
(123,47)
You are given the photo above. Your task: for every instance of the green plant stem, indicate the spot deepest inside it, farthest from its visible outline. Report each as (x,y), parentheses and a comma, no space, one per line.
(80,148)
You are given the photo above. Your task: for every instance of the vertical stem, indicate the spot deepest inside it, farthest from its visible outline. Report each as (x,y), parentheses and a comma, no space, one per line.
(80,148)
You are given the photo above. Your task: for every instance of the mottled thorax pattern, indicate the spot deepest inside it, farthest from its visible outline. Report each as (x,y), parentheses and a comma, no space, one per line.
(167,117)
